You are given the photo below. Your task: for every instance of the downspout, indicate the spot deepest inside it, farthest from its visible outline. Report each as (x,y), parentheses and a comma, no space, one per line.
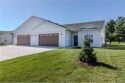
(12,35)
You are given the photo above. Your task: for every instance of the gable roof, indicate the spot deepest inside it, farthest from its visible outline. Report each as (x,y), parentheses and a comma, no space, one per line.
(89,26)
(41,21)
(51,22)
(71,27)
(77,26)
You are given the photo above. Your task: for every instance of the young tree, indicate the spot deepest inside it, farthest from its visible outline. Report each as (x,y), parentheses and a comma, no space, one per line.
(87,54)
(110,29)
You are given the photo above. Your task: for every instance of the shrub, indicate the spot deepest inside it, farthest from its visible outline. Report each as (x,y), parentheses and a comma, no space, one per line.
(87,54)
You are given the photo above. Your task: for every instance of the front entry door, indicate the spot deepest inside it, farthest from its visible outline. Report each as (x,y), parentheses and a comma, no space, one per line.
(75,40)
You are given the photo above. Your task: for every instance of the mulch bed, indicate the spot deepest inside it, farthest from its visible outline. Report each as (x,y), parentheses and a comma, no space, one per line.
(82,63)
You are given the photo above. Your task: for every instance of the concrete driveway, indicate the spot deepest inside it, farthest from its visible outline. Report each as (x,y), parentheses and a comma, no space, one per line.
(12,51)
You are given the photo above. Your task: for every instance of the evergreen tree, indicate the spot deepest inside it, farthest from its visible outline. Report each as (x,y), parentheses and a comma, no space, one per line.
(87,54)
(120,29)
(110,29)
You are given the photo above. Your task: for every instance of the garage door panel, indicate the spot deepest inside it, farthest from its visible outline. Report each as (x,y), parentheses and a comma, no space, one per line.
(48,39)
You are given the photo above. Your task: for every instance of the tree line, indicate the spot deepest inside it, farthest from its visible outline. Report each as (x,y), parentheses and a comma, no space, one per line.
(115,30)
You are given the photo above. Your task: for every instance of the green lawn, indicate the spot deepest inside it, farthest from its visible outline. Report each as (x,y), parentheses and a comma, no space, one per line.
(59,66)
(117,43)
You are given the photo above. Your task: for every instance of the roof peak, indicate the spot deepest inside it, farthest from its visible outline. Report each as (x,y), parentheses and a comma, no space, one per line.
(50,21)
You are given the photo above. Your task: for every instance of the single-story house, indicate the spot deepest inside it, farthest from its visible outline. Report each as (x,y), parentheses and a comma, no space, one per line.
(40,32)
(6,37)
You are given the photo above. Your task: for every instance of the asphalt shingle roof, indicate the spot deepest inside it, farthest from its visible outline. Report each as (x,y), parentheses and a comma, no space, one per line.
(77,26)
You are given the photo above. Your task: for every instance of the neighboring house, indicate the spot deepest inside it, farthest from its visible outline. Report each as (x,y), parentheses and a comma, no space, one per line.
(40,32)
(6,37)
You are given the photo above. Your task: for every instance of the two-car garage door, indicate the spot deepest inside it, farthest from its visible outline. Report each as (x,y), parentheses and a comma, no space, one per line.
(51,39)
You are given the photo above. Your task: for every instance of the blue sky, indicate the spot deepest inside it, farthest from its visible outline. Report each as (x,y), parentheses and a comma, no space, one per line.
(14,12)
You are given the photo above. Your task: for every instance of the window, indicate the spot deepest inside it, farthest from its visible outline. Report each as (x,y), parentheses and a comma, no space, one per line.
(40,34)
(90,37)
(50,34)
(55,33)
(46,34)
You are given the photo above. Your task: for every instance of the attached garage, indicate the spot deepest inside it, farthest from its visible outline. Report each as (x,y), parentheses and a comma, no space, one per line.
(51,39)
(23,39)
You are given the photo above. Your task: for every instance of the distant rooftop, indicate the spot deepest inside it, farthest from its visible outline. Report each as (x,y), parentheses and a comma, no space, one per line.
(5,32)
